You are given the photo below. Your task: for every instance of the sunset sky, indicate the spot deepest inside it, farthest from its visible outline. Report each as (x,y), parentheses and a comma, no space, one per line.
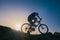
(13,12)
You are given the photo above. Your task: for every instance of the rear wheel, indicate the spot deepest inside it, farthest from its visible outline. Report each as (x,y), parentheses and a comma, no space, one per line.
(43,28)
(25,27)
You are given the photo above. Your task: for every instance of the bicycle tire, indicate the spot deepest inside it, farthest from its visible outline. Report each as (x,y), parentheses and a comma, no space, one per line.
(23,26)
(44,26)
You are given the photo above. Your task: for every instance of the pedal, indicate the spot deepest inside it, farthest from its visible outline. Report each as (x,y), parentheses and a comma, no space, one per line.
(33,29)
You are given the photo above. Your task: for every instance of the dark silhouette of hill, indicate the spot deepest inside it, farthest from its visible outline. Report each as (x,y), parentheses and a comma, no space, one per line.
(48,36)
(10,34)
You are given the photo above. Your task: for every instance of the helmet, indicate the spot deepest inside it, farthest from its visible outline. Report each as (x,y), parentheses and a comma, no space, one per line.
(32,16)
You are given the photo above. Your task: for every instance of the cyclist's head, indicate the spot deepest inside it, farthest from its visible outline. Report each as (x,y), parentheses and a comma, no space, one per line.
(32,16)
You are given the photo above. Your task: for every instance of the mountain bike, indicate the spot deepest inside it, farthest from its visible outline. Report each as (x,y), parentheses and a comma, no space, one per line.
(27,28)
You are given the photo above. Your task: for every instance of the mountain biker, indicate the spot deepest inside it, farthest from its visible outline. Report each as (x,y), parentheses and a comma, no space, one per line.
(34,18)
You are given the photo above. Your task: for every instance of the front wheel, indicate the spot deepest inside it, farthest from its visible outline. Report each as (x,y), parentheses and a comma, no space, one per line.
(43,28)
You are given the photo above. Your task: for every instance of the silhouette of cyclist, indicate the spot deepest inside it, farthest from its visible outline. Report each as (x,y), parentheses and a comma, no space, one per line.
(34,19)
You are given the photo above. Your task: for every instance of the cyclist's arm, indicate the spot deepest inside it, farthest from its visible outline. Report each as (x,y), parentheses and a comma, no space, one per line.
(40,18)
